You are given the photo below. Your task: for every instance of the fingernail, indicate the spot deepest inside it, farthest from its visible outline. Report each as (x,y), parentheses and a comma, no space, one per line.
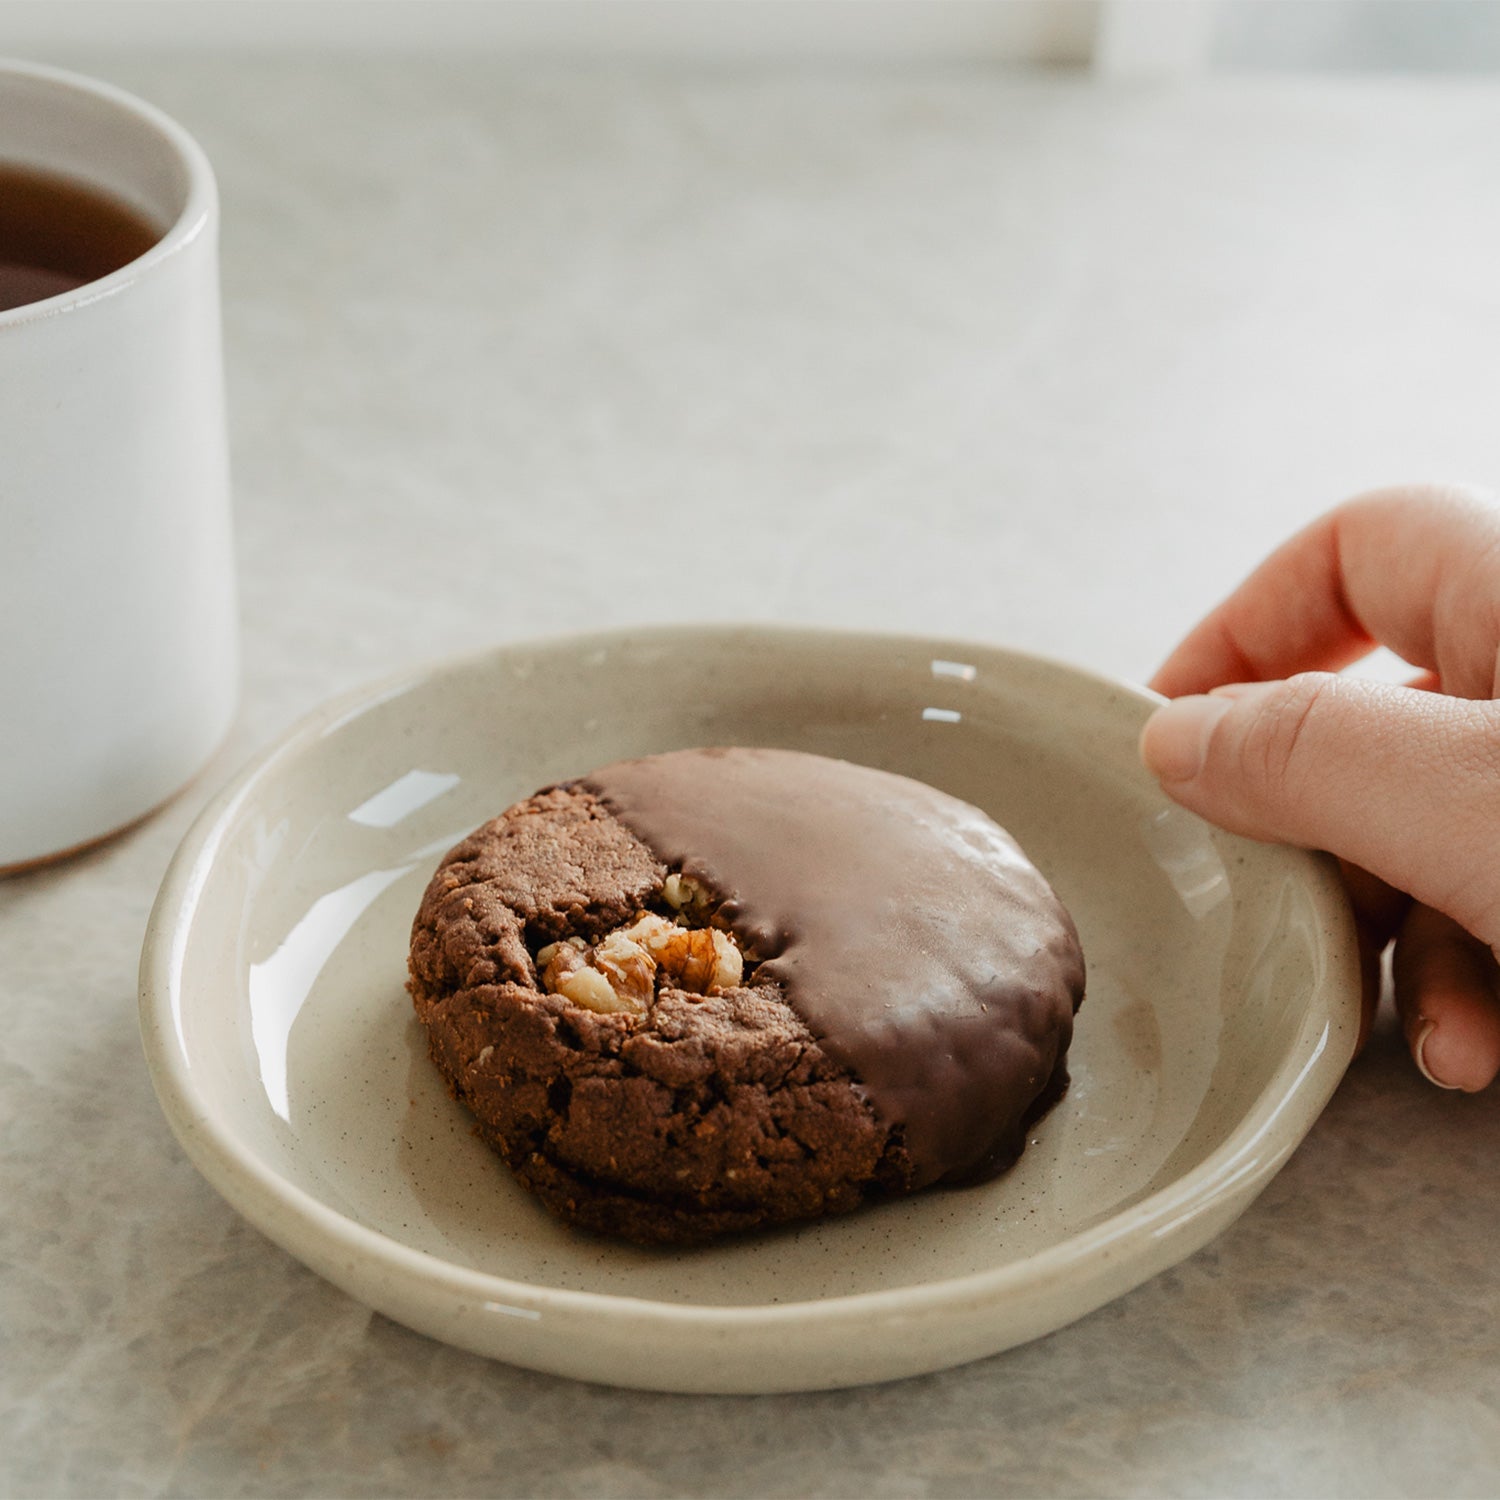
(1419,1054)
(1174,743)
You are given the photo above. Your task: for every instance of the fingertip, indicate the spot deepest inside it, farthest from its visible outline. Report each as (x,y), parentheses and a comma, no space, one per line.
(1462,1054)
(1174,740)
(1447,986)
(1418,1043)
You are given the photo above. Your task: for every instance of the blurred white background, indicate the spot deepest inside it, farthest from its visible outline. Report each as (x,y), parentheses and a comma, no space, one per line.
(1129,37)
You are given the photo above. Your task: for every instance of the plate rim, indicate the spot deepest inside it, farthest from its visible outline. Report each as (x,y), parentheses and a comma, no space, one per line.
(1245,1162)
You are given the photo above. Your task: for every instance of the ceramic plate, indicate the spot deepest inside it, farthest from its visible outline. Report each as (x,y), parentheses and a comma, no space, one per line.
(1222,1010)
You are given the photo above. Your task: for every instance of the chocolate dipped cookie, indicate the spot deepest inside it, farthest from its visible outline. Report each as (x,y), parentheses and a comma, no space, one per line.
(716,990)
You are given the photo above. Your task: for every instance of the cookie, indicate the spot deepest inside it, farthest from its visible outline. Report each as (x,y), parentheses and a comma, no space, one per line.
(716,990)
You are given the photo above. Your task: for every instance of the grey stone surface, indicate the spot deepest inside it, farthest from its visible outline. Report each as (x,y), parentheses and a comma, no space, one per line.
(515,351)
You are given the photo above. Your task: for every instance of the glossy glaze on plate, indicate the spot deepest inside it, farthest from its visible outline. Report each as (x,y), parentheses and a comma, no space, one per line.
(1222,1010)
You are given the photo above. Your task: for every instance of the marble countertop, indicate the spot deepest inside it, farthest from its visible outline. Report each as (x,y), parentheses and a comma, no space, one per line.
(1025,359)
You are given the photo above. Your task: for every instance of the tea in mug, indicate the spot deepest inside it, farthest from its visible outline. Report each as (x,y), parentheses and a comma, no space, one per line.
(57,233)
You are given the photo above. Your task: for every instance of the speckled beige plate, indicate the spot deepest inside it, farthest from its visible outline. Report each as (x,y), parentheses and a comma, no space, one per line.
(1222,1010)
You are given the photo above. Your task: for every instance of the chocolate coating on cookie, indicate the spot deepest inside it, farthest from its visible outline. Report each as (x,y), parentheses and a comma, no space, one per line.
(921,947)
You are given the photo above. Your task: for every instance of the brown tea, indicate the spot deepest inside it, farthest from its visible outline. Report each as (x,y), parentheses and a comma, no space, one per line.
(57,233)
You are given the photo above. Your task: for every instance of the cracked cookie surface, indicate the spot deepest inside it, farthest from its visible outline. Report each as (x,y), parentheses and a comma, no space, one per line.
(702,1108)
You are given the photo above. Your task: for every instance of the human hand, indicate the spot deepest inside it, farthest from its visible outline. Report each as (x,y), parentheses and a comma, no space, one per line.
(1401,783)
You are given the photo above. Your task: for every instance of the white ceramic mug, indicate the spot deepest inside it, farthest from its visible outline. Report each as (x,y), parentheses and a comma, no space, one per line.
(118,651)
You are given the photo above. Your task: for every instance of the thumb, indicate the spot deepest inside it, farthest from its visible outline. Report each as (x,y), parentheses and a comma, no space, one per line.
(1402,782)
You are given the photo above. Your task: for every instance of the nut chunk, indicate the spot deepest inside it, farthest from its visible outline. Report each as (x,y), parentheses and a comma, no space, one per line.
(622,971)
(699,960)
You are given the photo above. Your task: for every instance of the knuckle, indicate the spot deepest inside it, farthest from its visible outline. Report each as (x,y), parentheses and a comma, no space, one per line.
(1273,745)
(1466,801)
(1480,749)
(1465,496)
(1433,494)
